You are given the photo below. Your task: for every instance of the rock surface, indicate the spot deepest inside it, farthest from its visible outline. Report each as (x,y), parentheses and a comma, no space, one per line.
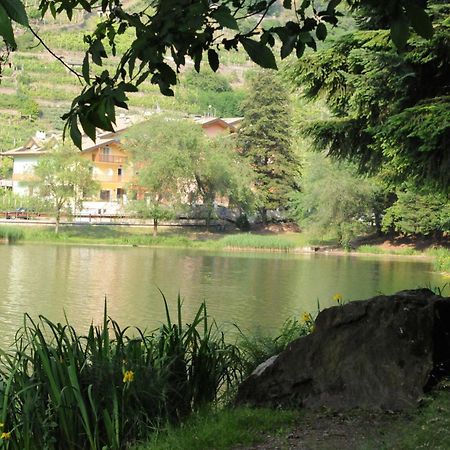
(381,353)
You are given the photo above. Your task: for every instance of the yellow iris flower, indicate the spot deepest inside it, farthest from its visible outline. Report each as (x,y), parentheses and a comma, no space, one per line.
(128,376)
(5,435)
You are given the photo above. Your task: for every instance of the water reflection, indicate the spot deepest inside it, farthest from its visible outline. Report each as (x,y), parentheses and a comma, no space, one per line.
(249,289)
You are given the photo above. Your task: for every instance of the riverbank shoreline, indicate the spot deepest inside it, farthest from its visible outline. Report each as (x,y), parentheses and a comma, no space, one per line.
(261,241)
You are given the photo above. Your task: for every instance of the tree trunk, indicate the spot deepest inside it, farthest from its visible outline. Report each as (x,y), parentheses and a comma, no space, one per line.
(263,212)
(209,211)
(57,221)
(378,219)
(208,219)
(155,227)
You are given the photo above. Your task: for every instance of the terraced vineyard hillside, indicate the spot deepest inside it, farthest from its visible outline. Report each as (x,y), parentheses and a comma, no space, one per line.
(36,89)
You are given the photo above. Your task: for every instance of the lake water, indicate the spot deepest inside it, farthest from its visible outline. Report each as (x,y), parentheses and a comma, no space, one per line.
(249,289)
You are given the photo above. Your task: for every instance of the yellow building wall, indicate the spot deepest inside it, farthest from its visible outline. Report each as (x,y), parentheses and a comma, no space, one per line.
(106,169)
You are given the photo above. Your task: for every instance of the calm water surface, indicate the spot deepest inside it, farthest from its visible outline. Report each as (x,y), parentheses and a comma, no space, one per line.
(250,289)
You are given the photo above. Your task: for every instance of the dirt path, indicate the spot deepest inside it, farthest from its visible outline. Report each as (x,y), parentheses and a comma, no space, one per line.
(338,431)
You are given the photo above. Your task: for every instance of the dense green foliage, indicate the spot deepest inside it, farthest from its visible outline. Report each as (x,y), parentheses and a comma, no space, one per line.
(441,259)
(265,139)
(390,110)
(184,29)
(59,389)
(179,164)
(211,93)
(419,213)
(334,199)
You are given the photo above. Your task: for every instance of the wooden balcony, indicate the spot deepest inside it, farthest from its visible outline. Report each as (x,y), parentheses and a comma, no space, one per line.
(112,159)
(113,178)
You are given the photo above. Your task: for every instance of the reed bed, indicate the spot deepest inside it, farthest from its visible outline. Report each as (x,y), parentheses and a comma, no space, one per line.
(105,390)
(441,259)
(255,241)
(11,234)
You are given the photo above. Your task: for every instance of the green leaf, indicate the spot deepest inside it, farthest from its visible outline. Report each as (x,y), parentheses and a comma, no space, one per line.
(287,4)
(75,133)
(300,49)
(224,17)
(197,57)
(332,6)
(85,69)
(400,32)
(259,53)
(213,59)
(420,20)
(16,11)
(6,30)
(288,46)
(167,73)
(88,127)
(321,31)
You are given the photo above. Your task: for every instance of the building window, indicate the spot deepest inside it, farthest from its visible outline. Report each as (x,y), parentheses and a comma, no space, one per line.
(105,196)
(120,194)
(106,150)
(119,171)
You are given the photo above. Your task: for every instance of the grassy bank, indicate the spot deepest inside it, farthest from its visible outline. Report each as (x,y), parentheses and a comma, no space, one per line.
(184,237)
(378,250)
(167,237)
(223,429)
(441,256)
(424,428)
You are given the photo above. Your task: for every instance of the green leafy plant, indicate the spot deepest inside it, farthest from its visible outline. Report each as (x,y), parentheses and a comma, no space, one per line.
(104,389)
(258,347)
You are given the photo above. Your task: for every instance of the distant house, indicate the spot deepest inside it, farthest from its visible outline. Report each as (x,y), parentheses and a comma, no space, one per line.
(111,166)
(212,126)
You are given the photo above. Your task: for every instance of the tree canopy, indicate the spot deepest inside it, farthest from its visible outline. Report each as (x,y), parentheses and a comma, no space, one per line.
(334,200)
(64,177)
(177,164)
(182,29)
(390,111)
(265,139)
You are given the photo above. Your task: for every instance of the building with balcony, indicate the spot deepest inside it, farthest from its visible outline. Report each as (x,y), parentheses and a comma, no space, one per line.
(111,166)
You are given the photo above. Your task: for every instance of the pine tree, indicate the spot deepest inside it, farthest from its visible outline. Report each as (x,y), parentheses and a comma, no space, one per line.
(265,139)
(389,110)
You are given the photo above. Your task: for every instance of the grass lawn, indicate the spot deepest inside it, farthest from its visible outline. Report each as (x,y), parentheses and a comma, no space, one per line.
(224,429)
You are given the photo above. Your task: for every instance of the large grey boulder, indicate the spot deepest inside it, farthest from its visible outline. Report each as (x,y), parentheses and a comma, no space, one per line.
(381,353)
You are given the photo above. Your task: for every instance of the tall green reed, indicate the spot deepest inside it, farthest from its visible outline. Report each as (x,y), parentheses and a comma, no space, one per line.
(105,389)
(12,234)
